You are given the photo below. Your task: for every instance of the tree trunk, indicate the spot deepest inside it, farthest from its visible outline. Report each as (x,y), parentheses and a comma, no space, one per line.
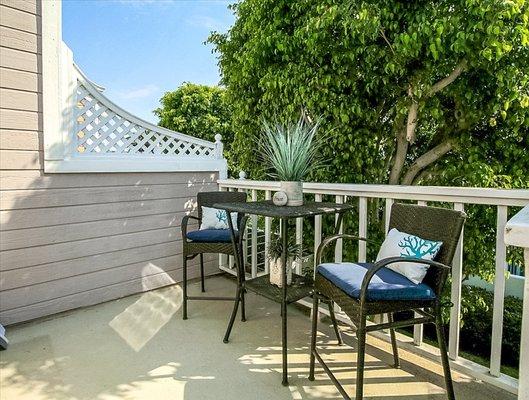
(399,158)
(427,159)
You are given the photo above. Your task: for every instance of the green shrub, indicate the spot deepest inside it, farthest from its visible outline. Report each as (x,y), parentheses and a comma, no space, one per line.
(476,329)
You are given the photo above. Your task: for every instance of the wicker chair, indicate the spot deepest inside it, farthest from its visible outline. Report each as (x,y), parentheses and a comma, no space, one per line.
(199,242)
(426,222)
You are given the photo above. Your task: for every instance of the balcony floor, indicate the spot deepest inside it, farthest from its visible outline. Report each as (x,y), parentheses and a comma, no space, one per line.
(138,347)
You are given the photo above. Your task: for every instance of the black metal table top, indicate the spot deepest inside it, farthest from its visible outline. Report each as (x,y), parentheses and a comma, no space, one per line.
(269,209)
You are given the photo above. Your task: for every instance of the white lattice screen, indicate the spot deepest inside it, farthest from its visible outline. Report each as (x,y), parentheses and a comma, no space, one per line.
(92,134)
(101,130)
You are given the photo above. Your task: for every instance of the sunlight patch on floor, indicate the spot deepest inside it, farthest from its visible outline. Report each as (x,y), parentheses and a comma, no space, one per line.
(140,322)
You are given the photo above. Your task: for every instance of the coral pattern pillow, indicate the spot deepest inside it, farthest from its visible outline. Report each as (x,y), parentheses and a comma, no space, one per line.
(213,218)
(401,244)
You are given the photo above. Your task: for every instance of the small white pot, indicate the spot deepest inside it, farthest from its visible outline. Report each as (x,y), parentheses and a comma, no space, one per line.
(294,191)
(276,272)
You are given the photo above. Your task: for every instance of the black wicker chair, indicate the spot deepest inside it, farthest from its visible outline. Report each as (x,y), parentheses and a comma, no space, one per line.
(197,242)
(426,222)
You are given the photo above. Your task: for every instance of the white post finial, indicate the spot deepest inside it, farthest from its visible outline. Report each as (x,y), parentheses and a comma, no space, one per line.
(219,146)
(242,175)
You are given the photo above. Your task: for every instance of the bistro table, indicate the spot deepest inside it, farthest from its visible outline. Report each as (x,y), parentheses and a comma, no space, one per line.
(301,286)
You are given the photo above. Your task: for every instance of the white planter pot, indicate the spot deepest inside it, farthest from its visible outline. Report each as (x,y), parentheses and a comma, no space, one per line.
(276,272)
(294,191)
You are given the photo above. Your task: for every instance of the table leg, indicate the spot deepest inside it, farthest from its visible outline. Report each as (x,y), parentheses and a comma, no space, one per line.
(240,288)
(284,227)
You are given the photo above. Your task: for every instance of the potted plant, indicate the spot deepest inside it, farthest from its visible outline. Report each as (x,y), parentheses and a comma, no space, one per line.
(291,151)
(275,254)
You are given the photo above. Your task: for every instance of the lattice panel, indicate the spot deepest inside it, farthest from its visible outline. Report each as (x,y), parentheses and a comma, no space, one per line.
(101,130)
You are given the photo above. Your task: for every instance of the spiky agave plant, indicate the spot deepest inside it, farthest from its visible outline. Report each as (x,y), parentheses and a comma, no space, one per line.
(291,150)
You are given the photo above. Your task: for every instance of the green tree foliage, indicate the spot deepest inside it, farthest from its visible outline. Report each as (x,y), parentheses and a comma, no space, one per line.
(400,83)
(197,110)
(410,92)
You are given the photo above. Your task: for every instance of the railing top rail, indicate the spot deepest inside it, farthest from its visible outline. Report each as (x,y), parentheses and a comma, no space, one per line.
(507,197)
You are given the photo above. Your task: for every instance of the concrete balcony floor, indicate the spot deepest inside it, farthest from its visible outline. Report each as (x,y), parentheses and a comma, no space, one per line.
(138,347)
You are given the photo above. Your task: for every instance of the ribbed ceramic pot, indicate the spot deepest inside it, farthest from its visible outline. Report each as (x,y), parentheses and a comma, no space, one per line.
(276,272)
(294,191)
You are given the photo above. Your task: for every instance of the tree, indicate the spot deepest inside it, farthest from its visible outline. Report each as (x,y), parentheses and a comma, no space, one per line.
(422,92)
(197,110)
(401,84)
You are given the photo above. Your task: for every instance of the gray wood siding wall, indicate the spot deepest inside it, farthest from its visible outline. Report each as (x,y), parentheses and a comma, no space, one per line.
(71,240)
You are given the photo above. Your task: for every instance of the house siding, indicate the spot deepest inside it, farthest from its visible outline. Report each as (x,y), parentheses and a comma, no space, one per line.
(72,240)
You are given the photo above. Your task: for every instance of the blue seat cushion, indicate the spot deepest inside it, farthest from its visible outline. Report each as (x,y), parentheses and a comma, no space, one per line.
(211,235)
(385,284)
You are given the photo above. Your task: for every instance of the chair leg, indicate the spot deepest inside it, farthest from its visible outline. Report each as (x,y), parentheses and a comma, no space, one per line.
(233,314)
(361,335)
(202,284)
(444,356)
(315,305)
(394,343)
(243,306)
(184,287)
(334,322)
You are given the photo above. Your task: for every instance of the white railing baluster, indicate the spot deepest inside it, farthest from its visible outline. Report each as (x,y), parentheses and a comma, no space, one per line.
(362,228)
(523,390)
(223,258)
(418,330)
(499,293)
(517,234)
(338,249)
(387,214)
(268,229)
(317,230)
(254,238)
(455,295)
(299,240)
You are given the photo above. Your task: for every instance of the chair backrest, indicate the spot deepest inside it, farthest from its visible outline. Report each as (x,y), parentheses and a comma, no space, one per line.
(432,223)
(208,199)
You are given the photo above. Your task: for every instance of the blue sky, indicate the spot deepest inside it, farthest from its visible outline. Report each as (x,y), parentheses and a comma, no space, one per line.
(139,49)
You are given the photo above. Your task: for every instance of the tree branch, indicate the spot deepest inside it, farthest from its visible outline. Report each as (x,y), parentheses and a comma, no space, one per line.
(399,158)
(440,85)
(387,41)
(437,87)
(426,159)
(412,121)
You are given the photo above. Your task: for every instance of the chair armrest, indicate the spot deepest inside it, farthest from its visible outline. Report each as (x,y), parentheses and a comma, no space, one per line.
(184,223)
(330,239)
(391,260)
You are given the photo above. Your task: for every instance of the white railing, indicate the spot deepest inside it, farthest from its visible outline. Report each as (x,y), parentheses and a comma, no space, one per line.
(458,197)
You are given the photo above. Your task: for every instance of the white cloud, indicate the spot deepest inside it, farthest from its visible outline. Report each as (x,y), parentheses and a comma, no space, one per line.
(139,93)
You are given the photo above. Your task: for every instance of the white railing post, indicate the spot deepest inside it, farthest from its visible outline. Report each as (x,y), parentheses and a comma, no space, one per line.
(517,234)
(523,379)
(499,293)
(338,249)
(317,230)
(223,258)
(299,240)
(254,238)
(387,214)
(455,294)
(362,228)
(219,147)
(267,232)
